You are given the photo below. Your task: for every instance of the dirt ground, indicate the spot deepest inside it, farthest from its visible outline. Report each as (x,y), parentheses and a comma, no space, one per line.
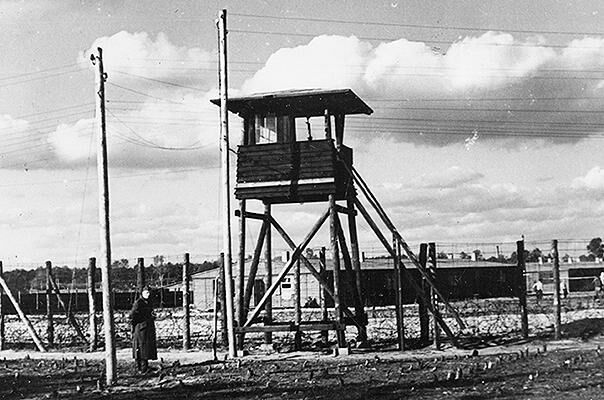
(569,369)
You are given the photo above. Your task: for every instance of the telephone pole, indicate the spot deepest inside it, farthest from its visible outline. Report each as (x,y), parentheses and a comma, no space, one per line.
(105,243)
(226,191)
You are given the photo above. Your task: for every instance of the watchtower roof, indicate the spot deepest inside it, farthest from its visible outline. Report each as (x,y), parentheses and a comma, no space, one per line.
(299,103)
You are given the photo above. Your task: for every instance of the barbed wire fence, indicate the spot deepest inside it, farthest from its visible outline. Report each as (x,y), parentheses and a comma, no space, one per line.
(475,277)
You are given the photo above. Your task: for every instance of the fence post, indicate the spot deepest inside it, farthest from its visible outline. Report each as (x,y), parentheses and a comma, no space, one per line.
(557,307)
(433,297)
(186,329)
(522,288)
(50,331)
(424,318)
(398,298)
(140,276)
(91,283)
(222,300)
(297,307)
(2,337)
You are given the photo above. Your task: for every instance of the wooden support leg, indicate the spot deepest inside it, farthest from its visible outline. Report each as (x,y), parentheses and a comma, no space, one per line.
(356,264)
(268,262)
(240,309)
(297,307)
(249,286)
(323,295)
(335,259)
(359,310)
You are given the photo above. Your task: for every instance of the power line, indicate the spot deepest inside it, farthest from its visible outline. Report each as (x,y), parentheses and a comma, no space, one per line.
(423,26)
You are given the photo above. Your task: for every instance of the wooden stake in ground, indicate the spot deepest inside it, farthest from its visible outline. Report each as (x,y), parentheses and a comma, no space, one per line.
(557,305)
(522,288)
(424,319)
(140,276)
(186,327)
(225,181)
(297,307)
(2,337)
(400,330)
(30,327)
(105,242)
(215,321)
(91,282)
(50,330)
(433,297)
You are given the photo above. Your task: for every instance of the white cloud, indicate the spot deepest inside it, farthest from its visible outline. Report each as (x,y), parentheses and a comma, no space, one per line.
(156,58)
(593,180)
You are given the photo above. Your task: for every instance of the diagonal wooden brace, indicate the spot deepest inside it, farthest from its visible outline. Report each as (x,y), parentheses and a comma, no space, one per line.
(249,286)
(296,254)
(314,272)
(414,284)
(70,317)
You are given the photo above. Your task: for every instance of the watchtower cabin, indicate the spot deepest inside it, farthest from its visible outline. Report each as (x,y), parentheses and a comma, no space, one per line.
(280,160)
(276,164)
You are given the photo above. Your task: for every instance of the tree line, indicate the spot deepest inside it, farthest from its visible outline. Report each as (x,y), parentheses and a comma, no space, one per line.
(123,275)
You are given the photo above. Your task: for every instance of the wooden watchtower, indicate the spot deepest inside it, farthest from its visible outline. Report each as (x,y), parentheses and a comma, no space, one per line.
(278,164)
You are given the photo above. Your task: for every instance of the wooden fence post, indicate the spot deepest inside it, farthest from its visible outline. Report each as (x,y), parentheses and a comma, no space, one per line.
(140,276)
(50,330)
(2,337)
(91,283)
(186,329)
(433,297)
(268,262)
(557,306)
(222,300)
(522,288)
(398,297)
(424,318)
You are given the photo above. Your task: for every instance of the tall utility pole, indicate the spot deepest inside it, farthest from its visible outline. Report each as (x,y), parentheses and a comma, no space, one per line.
(226,191)
(105,243)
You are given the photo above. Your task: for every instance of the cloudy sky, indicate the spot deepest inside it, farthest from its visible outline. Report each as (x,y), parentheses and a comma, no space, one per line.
(488,119)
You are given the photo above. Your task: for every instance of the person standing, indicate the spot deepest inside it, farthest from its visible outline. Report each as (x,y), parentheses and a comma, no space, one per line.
(142,318)
(538,288)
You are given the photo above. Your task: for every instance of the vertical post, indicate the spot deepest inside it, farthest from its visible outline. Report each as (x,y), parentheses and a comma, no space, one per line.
(268,263)
(50,330)
(226,190)
(424,318)
(2,337)
(327,124)
(92,328)
(521,287)
(356,265)
(186,323)
(297,307)
(105,242)
(557,307)
(140,276)
(433,296)
(335,259)
(222,299)
(398,298)
(323,294)
(241,270)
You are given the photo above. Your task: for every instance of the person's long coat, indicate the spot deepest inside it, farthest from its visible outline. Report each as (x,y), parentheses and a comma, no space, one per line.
(143,330)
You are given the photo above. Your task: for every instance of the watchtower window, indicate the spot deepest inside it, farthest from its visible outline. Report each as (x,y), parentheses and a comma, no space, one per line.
(274,129)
